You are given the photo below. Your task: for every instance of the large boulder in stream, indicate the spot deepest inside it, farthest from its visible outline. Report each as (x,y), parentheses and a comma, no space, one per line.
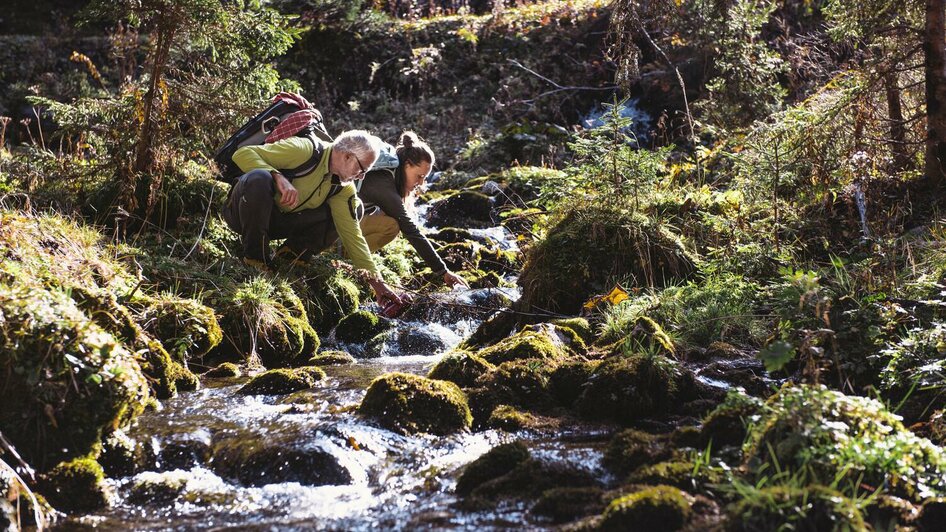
(256,461)
(409,403)
(463,209)
(592,248)
(283,381)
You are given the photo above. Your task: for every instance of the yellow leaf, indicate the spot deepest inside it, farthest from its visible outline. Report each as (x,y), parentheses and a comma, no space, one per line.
(615,296)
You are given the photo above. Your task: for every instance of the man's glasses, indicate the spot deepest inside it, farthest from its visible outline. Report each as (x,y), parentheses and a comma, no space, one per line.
(361,166)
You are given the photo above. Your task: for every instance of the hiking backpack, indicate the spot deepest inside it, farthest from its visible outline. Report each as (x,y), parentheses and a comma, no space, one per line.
(289,115)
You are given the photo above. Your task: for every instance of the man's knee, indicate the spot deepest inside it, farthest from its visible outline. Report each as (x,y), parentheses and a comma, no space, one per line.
(258,182)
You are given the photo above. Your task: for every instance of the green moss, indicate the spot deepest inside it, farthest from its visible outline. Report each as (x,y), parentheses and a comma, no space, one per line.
(331,358)
(624,389)
(186,328)
(466,208)
(460,367)
(330,295)
(657,508)
(451,235)
(631,449)
(225,370)
(840,438)
(580,325)
(528,344)
(360,326)
(813,507)
(505,417)
(567,504)
(460,257)
(282,381)
(75,486)
(122,456)
(644,335)
(678,473)
(523,383)
(726,425)
(495,463)
(498,261)
(410,403)
(564,335)
(568,380)
(591,248)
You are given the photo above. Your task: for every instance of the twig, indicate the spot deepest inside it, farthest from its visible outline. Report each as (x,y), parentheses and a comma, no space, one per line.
(558,86)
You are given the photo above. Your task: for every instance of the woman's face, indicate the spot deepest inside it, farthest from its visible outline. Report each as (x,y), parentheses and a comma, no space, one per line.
(414,175)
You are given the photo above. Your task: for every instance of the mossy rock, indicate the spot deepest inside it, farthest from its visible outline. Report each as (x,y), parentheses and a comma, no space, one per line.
(409,404)
(572,341)
(265,317)
(841,438)
(562,505)
(813,507)
(58,406)
(647,336)
(528,480)
(329,294)
(255,461)
(567,381)
(656,508)
(158,488)
(75,486)
(681,474)
(631,449)
(580,326)
(592,247)
(505,417)
(332,358)
(187,328)
(282,381)
(451,235)
(521,383)
(498,261)
(122,456)
(495,463)
(529,344)
(464,209)
(627,388)
(727,424)
(225,370)
(460,367)
(360,326)
(461,257)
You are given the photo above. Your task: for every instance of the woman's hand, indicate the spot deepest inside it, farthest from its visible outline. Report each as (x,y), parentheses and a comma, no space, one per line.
(451,279)
(383,293)
(288,195)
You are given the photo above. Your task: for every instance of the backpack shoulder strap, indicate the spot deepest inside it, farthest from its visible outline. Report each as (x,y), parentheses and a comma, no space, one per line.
(318,149)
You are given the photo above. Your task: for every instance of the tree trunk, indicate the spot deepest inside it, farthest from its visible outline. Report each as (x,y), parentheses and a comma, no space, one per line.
(898,136)
(934,46)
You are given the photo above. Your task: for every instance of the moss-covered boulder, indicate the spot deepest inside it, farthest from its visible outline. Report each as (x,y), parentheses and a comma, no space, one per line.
(409,403)
(593,247)
(495,463)
(329,294)
(631,449)
(360,326)
(682,474)
(528,344)
(283,381)
(122,456)
(657,508)
(841,438)
(464,209)
(520,383)
(508,418)
(225,370)
(187,328)
(567,381)
(813,507)
(727,423)
(60,405)
(626,388)
(264,317)
(460,367)
(527,481)
(580,326)
(332,358)
(255,461)
(75,486)
(567,503)
(498,261)
(461,257)
(451,235)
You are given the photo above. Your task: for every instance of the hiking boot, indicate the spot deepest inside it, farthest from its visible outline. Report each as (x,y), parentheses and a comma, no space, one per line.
(258,265)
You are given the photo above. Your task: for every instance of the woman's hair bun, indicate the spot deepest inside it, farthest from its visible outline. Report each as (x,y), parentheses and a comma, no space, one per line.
(408,139)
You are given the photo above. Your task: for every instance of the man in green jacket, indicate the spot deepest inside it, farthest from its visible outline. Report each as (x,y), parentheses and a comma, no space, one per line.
(306,206)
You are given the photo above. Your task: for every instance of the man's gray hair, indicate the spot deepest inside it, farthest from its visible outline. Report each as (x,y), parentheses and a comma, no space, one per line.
(359,143)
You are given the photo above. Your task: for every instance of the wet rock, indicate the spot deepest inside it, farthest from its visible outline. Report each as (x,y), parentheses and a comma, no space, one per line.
(418,341)
(932,515)
(283,381)
(589,248)
(562,505)
(681,474)
(360,326)
(528,344)
(158,488)
(746,373)
(184,451)
(462,256)
(813,507)
(75,486)
(522,383)
(464,209)
(225,370)
(495,463)
(528,480)
(409,403)
(726,425)
(452,235)
(501,262)
(657,508)
(625,389)
(255,461)
(460,367)
(332,358)
(505,417)
(723,350)
(122,456)
(844,439)
(631,449)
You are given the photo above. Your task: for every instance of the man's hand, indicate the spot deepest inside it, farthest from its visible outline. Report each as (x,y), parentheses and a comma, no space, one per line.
(383,292)
(288,195)
(451,279)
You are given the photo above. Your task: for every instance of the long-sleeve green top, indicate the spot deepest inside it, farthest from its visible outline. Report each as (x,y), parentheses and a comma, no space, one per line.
(313,189)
